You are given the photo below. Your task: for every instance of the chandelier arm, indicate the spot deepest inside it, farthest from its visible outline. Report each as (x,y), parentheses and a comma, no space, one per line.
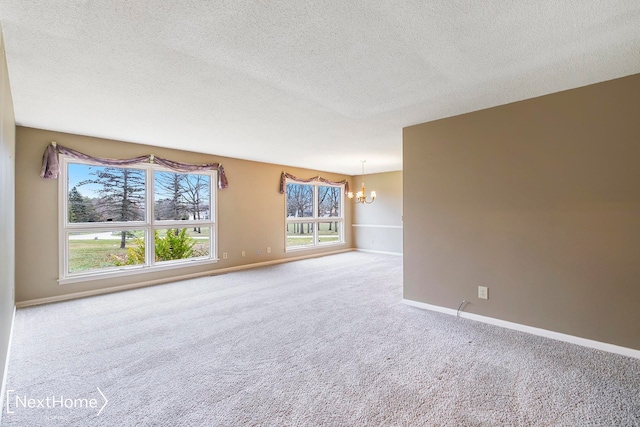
(361,196)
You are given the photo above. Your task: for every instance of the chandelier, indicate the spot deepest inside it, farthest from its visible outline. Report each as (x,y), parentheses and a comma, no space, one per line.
(361,196)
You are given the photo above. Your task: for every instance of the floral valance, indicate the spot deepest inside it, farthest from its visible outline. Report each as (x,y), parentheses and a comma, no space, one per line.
(51,167)
(285,176)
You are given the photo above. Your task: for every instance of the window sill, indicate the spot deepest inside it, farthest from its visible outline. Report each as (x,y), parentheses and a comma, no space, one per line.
(312,247)
(131,271)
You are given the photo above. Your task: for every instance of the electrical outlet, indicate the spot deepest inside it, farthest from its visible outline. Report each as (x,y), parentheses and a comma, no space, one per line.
(483,292)
(259,252)
(244,254)
(224,255)
(268,249)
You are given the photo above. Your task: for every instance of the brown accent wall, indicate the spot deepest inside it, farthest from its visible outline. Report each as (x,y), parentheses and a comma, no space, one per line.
(7,204)
(538,200)
(378,226)
(251,213)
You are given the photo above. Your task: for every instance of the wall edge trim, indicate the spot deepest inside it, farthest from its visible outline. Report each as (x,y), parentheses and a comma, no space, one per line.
(572,339)
(96,292)
(5,372)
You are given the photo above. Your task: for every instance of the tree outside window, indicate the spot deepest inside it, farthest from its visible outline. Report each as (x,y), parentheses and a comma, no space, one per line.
(314,214)
(119,218)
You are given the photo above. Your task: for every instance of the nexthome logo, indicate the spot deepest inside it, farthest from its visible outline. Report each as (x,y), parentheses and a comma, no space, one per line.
(17,402)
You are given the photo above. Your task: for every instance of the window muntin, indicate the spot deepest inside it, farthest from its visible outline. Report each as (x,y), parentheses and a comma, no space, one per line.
(110,217)
(308,206)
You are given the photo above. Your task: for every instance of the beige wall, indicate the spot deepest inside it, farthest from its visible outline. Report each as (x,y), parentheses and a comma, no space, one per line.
(378,226)
(538,200)
(251,213)
(7,203)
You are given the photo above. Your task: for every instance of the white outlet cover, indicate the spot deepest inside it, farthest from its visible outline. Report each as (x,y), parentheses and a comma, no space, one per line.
(483,292)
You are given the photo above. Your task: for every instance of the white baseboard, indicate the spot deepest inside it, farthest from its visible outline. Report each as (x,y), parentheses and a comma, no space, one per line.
(379,252)
(5,371)
(95,292)
(611,348)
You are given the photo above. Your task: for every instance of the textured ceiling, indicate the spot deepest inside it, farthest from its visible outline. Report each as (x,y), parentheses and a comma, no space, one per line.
(316,84)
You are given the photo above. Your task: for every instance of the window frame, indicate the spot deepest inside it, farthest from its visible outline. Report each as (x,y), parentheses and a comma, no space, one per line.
(149,224)
(315,219)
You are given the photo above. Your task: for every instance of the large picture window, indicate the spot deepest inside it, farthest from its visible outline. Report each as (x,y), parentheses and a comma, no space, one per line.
(314,214)
(121,220)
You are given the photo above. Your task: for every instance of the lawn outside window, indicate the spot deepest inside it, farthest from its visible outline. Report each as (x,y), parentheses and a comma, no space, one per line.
(117,221)
(314,215)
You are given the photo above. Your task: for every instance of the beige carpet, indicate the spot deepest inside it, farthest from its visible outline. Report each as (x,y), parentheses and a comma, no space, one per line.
(320,342)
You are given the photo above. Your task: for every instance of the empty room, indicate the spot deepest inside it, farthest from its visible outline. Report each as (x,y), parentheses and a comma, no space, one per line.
(319,213)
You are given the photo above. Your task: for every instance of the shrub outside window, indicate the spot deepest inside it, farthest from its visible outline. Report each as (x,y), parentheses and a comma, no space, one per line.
(314,215)
(122,220)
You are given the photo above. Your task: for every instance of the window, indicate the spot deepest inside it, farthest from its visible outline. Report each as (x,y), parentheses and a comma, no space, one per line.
(314,214)
(122,220)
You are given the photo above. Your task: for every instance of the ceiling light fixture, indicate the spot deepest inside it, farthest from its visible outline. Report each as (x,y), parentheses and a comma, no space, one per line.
(361,195)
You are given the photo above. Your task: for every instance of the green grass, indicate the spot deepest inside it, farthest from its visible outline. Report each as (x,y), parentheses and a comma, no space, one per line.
(298,241)
(93,254)
(87,255)
(306,239)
